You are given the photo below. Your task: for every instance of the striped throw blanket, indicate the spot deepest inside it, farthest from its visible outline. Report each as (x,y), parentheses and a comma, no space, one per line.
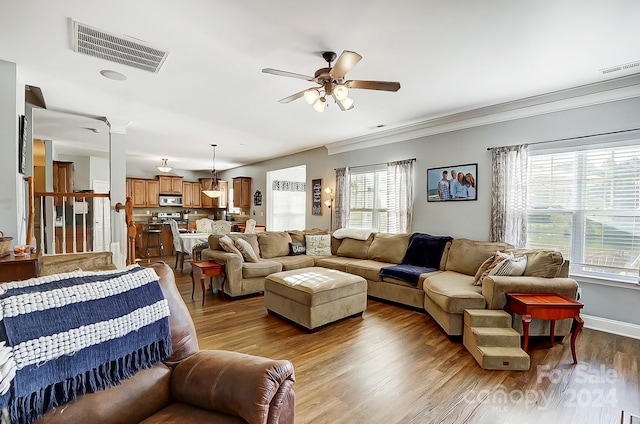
(65,335)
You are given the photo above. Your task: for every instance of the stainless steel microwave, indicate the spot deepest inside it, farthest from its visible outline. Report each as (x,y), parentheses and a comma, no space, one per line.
(165,200)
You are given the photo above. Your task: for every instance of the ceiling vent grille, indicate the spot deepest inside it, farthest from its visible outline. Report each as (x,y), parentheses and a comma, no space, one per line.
(621,67)
(117,48)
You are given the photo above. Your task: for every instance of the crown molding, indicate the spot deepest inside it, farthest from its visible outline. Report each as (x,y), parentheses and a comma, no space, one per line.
(586,95)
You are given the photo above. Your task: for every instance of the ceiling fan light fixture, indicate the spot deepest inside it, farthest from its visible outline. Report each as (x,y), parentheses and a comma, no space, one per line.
(341,92)
(346,103)
(320,104)
(164,167)
(311,95)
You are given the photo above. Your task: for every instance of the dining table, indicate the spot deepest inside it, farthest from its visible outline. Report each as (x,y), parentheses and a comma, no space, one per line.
(190,240)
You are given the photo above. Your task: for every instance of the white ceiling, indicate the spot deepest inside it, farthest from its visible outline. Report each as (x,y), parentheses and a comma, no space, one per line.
(448,56)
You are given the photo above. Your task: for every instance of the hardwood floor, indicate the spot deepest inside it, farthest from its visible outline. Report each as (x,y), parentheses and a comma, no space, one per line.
(395,365)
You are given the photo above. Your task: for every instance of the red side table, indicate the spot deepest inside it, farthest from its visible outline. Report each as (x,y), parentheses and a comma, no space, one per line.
(548,306)
(202,269)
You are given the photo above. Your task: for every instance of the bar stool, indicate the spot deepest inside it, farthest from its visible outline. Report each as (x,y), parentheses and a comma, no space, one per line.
(154,231)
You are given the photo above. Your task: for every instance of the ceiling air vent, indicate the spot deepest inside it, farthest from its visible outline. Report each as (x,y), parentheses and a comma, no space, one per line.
(117,48)
(621,67)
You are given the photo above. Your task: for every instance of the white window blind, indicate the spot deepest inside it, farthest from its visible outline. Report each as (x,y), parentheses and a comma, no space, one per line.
(586,204)
(368,197)
(288,210)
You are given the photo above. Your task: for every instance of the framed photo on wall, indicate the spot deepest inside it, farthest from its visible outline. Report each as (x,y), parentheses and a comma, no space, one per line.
(452,183)
(316,196)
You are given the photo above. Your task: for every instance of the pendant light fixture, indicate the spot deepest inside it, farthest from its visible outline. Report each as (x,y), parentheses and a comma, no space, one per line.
(213,191)
(164,167)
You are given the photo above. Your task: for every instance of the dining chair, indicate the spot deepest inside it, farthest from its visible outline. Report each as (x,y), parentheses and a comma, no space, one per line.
(221,227)
(203,225)
(250,226)
(178,245)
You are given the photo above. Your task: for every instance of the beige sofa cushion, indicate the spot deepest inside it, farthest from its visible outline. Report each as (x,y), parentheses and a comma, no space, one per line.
(352,248)
(367,269)
(297,236)
(335,262)
(540,262)
(388,247)
(273,244)
(445,256)
(262,268)
(294,262)
(335,245)
(454,292)
(466,256)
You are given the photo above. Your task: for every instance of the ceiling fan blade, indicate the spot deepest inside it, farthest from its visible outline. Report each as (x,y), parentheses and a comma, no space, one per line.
(286,74)
(373,85)
(345,62)
(292,97)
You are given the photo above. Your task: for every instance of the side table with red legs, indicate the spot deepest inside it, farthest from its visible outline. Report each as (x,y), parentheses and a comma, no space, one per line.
(547,306)
(202,269)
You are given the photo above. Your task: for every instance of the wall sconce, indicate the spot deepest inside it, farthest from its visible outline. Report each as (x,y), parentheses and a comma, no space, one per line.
(329,203)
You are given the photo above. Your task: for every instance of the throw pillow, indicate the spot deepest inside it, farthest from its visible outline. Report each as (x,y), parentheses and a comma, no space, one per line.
(248,254)
(227,245)
(297,249)
(488,265)
(511,266)
(319,245)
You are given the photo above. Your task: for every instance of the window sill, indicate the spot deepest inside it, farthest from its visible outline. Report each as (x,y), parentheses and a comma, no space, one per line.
(590,279)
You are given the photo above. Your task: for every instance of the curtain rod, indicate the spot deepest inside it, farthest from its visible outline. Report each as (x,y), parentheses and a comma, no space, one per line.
(570,138)
(374,164)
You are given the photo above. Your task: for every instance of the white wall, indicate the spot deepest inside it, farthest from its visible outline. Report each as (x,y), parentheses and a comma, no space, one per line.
(471,219)
(12,195)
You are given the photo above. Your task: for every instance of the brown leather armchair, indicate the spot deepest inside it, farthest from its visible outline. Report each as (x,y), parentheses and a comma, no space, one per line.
(192,386)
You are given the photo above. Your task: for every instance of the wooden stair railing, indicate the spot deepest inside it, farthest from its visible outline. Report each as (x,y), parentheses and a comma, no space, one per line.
(131,230)
(32,210)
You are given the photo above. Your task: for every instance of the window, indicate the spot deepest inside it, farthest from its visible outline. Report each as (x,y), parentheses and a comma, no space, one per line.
(287,199)
(368,197)
(586,204)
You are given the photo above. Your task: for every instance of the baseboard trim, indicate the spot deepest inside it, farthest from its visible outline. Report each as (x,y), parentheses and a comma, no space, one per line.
(611,326)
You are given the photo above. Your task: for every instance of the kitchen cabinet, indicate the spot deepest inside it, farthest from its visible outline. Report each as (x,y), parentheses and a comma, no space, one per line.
(191,193)
(218,202)
(129,190)
(170,184)
(205,201)
(196,195)
(153,189)
(187,194)
(143,193)
(242,192)
(221,202)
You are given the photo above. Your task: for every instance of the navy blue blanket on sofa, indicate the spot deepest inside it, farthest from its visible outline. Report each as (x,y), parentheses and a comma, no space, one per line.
(423,255)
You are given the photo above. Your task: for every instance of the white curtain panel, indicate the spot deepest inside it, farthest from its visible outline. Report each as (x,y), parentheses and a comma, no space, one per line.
(509,195)
(341,200)
(400,196)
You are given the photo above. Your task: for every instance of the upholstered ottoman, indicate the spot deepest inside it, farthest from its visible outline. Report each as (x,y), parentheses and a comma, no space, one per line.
(314,296)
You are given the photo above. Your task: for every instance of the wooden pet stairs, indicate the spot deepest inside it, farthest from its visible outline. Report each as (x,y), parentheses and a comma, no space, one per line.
(489,338)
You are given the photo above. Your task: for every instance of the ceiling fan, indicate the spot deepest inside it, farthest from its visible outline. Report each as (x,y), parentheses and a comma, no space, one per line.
(332,82)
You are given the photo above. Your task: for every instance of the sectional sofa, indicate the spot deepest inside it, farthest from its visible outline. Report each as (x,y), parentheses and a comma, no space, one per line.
(444,290)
